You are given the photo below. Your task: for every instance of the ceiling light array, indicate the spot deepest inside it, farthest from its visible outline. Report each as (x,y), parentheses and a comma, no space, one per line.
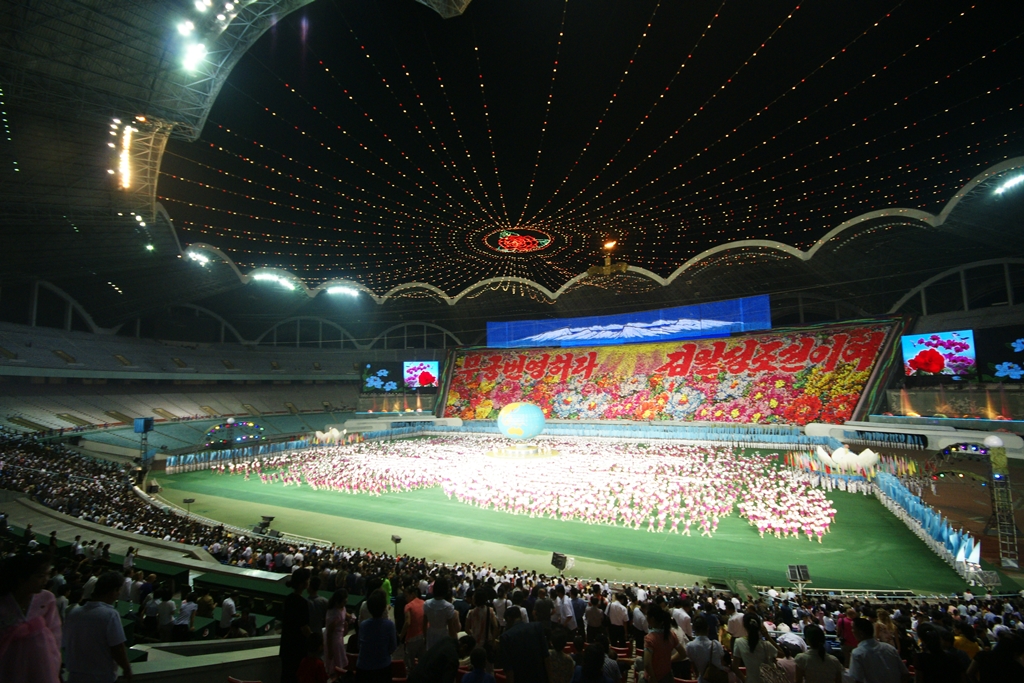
(1010,184)
(7,124)
(209,21)
(342,290)
(121,142)
(426,129)
(845,95)
(386,190)
(272,277)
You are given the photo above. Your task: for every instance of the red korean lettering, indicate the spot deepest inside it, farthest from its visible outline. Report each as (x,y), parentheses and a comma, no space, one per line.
(538,367)
(679,362)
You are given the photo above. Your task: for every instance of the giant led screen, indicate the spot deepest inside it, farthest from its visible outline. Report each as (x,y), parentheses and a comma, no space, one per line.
(948,354)
(717,319)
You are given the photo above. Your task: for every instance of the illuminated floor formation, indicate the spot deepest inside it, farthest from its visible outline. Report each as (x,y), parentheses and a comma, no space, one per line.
(866,548)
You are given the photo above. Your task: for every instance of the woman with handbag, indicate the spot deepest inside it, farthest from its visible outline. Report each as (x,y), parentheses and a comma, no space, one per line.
(753,651)
(707,656)
(482,624)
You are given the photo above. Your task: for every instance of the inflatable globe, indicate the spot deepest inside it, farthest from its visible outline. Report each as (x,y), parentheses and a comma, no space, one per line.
(521,421)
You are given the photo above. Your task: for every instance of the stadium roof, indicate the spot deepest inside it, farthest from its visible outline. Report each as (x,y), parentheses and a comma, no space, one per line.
(844,151)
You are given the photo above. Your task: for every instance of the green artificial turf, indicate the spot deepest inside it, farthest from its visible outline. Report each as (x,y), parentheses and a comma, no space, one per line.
(867,548)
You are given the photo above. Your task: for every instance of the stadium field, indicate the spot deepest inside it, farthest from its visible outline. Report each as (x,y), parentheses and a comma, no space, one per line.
(867,548)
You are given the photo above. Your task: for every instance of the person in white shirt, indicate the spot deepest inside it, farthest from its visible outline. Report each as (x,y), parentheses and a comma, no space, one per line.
(563,613)
(734,622)
(682,619)
(93,638)
(618,616)
(227,613)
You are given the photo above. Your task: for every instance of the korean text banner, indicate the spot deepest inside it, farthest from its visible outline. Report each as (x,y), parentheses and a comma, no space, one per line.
(793,377)
(716,319)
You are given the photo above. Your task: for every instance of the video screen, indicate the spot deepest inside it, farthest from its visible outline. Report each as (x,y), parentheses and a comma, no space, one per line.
(382,378)
(1001,353)
(717,319)
(939,353)
(420,374)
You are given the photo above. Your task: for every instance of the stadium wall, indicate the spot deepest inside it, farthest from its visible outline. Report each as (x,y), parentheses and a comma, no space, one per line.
(795,376)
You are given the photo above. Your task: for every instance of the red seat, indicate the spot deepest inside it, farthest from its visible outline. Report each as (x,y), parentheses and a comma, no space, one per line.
(232,679)
(398,668)
(498,678)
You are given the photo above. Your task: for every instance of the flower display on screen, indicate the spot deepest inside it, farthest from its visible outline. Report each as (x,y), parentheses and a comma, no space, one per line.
(420,374)
(1009,370)
(929,360)
(942,353)
(791,378)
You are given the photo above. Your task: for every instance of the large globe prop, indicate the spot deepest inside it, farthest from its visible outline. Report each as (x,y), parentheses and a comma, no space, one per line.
(521,421)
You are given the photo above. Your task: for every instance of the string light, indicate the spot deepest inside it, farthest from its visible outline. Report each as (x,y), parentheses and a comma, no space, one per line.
(371,173)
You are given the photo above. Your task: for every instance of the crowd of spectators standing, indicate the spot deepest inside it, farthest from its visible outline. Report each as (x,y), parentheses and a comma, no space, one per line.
(523,624)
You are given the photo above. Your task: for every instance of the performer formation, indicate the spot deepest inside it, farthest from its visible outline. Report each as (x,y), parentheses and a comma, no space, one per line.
(673,488)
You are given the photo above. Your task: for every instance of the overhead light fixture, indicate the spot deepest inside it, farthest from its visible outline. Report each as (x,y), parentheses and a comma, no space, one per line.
(271,277)
(150,247)
(194,55)
(198,258)
(610,244)
(1010,184)
(339,289)
(186,27)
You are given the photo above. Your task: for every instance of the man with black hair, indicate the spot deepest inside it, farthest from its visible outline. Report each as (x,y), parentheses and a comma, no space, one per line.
(93,636)
(524,647)
(440,664)
(872,661)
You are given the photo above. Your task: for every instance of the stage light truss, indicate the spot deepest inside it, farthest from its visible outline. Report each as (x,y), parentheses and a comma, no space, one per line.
(108,56)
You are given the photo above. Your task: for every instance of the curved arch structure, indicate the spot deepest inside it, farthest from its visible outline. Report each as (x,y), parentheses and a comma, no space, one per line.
(929,219)
(916,291)
(72,306)
(216,316)
(440,329)
(298,318)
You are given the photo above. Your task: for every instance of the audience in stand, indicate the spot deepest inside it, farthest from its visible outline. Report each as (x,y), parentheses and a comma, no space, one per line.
(516,625)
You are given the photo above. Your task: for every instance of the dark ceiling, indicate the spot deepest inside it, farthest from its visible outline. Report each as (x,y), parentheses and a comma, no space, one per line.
(378,143)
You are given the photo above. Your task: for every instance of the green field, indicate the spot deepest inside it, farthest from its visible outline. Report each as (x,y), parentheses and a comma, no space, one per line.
(867,548)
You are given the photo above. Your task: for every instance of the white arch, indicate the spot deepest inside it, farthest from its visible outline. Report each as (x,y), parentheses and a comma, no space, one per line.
(215,316)
(399,326)
(317,318)
(946,273)
(70,301)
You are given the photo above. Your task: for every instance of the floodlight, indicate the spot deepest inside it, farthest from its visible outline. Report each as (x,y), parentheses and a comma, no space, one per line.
(194,55)
(271,277)
(150,247)
(338,289)
(610,244)
(185,27)
(198,258)
(1010,184)
(200,6)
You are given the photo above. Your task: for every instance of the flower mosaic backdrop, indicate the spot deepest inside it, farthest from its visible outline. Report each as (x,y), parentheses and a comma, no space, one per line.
(786,377)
